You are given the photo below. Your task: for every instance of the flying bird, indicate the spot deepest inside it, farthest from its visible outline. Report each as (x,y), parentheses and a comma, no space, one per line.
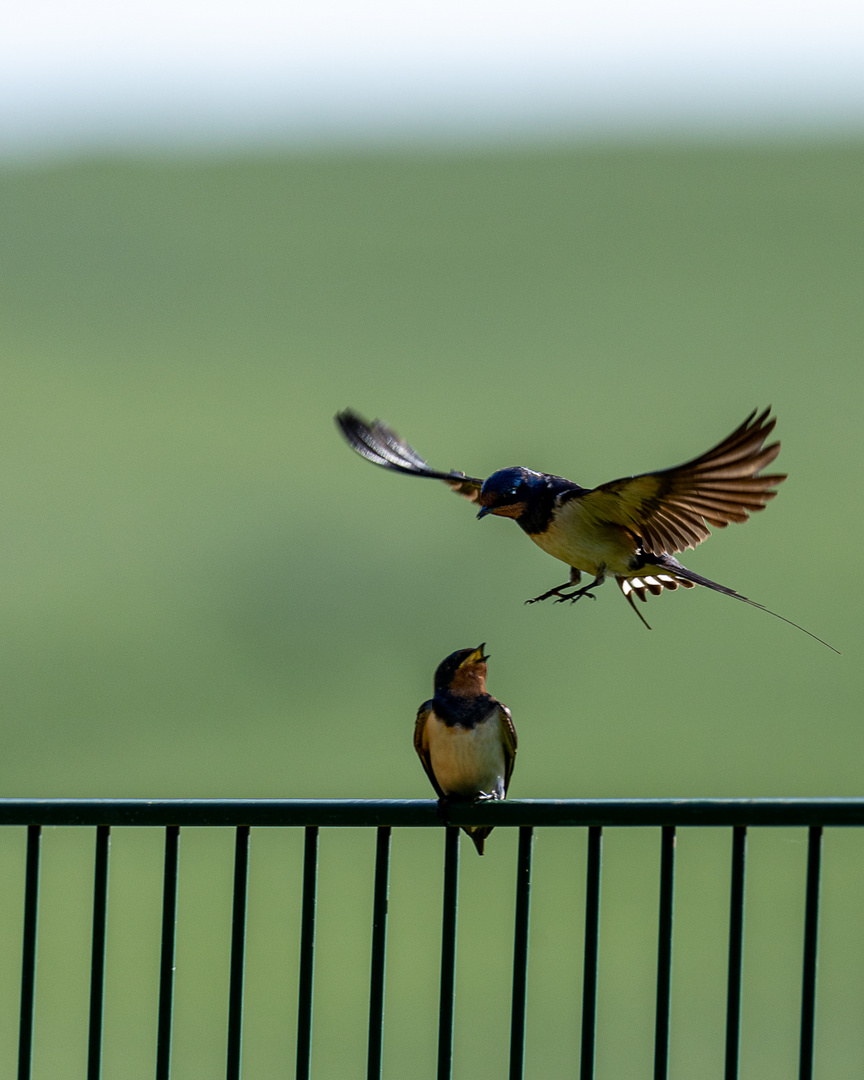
(627,529)
(464,737)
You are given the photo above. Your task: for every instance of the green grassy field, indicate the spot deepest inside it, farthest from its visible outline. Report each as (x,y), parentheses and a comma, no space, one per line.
(203,593)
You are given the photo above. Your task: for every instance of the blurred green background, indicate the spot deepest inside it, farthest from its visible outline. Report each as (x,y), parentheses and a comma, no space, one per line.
(204,593)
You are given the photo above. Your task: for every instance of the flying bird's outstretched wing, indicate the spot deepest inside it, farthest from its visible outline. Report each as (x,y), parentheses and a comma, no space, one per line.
(670,510)
(382,446)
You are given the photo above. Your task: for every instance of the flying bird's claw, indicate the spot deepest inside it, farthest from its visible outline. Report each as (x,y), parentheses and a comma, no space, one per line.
(562,597)
(573,597)
(557,591)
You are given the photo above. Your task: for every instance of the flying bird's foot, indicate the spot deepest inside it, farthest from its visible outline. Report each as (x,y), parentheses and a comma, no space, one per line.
(562,597)
(573,597)
(558,592)
(563,593)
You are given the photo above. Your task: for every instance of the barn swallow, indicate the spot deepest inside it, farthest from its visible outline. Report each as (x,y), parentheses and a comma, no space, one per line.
(628,529)
(465,738)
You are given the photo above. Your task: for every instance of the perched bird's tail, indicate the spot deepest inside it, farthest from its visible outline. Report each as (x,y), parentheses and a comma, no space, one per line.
(478,834)
(674,574)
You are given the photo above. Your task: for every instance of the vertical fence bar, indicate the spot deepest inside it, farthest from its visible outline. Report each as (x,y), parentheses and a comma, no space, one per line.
(379,952)
(28,952)
(97,965)
(166,964)
(448,954)
(590,963)
(238,953)
(520,953)
(736,951)
(811,936)
(664,954)
(307,952)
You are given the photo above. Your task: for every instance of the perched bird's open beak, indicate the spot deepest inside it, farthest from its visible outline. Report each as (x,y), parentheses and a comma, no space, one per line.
(476,657)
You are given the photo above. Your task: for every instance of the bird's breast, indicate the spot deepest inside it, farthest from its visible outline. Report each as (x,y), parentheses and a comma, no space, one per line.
(577,538)
(467,761)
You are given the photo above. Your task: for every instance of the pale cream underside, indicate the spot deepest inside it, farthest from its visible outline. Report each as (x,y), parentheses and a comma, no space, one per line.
(467,762)
(578,539)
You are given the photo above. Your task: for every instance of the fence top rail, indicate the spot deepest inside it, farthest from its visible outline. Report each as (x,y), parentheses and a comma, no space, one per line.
(425,812)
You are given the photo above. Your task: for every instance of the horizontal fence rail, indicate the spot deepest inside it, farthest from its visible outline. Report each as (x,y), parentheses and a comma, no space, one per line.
(424,813)
(666,815)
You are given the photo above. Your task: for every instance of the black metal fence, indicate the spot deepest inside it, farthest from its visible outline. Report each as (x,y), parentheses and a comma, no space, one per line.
(668,816)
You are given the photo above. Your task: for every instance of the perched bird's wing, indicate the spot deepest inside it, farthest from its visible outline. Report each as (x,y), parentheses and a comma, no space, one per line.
(421,744)
(509,735)
(670,510)
(382,446)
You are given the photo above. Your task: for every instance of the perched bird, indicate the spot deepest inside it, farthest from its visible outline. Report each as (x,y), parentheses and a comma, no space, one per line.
(628,529)
(464,737)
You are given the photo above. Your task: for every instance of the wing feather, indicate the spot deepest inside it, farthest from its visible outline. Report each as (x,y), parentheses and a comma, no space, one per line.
(421,744)
(382,446)
(670,510)
(510,743)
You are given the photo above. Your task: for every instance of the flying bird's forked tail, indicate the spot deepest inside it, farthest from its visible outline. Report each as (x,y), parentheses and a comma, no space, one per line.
(674,574)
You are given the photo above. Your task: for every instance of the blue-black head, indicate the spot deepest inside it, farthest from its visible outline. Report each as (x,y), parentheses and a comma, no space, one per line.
(463,672)
(509,491)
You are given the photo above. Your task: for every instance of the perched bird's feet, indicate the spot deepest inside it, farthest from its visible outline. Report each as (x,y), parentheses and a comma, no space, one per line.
(486,796)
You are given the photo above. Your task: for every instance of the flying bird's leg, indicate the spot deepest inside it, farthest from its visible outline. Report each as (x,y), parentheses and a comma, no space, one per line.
(558,592)
(586,589)
(575,578)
